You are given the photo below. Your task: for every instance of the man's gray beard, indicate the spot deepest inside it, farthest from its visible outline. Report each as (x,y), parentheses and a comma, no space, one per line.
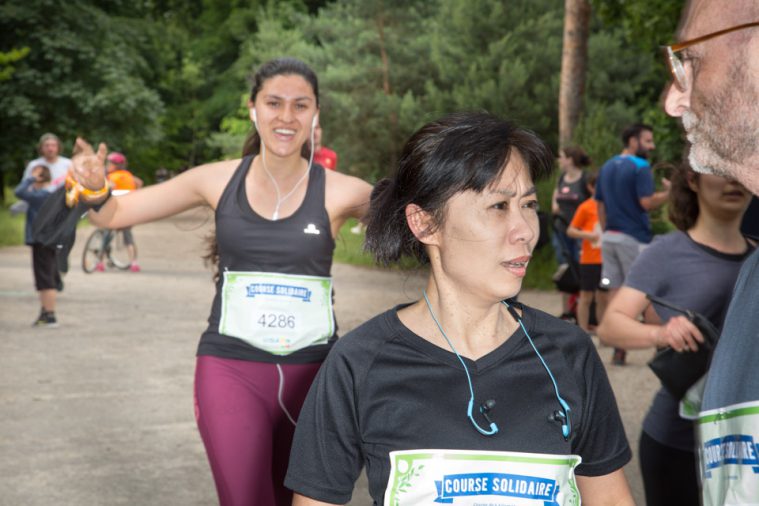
(724,134)
(700,157)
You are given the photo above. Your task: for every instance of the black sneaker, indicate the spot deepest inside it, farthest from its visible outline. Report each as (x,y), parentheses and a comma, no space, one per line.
(46,319)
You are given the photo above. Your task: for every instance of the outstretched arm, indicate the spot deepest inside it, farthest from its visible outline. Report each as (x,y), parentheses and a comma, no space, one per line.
(199,186)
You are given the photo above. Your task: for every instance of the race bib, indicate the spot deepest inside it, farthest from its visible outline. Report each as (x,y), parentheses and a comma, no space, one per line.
(278,313)
(728,453)
(467,478)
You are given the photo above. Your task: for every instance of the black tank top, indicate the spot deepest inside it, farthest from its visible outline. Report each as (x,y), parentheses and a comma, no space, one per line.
(249,242)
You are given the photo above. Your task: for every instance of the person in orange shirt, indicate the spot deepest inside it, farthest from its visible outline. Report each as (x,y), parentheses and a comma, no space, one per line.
(585,226)
(122,180)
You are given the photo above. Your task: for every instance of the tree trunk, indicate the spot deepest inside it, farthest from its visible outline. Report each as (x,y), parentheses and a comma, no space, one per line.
(574,64)
(386,87)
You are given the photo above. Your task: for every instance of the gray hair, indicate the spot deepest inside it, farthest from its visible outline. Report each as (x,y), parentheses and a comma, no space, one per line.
(47,137)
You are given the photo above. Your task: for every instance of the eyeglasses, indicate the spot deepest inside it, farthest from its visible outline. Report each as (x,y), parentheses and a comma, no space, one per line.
(675,63)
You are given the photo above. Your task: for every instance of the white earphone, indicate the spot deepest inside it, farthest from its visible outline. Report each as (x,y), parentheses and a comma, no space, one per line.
(255,119)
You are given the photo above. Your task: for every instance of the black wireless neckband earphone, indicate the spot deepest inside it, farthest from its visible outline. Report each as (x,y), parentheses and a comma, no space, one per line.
(561,416)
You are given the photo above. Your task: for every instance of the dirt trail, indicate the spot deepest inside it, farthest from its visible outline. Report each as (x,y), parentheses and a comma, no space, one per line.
(99,411)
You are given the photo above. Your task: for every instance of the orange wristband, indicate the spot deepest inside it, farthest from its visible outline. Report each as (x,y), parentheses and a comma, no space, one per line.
(88,195)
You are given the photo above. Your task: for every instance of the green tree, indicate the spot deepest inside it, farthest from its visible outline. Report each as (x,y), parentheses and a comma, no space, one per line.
(86,72)
(639,29)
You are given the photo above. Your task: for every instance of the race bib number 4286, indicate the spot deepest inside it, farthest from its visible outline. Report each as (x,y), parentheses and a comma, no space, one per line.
(278,313)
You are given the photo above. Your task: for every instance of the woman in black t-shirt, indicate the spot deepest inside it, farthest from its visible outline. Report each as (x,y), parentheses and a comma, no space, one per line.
(462,394)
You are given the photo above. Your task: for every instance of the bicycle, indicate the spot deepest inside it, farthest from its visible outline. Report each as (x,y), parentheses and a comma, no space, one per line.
(105,243)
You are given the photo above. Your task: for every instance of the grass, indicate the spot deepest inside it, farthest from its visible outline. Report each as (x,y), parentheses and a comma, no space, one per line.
(349,247)
(11,227)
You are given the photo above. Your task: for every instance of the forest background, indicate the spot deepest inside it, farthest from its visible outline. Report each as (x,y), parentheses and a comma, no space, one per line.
(166,81)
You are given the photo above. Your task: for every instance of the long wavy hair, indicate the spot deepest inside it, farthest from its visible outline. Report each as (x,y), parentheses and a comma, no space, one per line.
(683,201)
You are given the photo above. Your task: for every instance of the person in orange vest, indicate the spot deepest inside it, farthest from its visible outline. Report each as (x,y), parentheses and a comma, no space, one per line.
(122,180)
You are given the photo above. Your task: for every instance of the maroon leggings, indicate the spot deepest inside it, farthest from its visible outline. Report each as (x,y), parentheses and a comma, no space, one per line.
(246,433)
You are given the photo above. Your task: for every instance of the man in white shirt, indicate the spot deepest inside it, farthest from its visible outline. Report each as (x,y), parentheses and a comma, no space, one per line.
(49,148)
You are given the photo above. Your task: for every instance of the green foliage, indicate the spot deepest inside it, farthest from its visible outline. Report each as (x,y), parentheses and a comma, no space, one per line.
(627,75)
(11,227)
(7,59)
(86,72)
(168,82)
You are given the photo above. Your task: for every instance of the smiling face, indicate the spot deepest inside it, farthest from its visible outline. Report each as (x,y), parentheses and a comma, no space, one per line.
(486,239)
(284,110)
(719,110)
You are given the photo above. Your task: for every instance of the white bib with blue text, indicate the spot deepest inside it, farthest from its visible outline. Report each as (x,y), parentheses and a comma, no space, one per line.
(277,313)
(728,453)
(481,478)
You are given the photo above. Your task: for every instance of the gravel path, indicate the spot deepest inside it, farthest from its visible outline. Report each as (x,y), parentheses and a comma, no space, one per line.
(99,411)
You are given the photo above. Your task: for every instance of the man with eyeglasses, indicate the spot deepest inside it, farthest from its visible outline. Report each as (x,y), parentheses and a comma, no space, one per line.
(715,91)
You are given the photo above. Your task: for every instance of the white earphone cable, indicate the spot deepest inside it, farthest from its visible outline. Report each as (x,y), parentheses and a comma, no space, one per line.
(279,394)
(280,200)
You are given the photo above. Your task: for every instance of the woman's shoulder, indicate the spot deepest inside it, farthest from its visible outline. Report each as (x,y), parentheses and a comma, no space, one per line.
(347,195)
(666,244)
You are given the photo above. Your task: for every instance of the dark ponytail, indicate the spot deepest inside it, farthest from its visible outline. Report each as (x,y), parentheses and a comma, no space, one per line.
(387,235)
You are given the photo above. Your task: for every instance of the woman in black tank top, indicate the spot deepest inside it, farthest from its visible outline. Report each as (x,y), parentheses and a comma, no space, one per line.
(271,323)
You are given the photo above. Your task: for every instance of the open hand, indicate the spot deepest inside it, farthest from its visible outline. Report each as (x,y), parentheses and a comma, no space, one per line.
(89,166)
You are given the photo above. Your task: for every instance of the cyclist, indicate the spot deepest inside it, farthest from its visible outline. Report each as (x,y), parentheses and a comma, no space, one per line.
(121,179)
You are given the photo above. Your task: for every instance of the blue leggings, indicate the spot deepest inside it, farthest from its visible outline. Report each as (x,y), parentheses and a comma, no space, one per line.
(246,432)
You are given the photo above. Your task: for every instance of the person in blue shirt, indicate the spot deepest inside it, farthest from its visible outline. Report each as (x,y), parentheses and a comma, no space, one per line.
(34,190)
(625,193)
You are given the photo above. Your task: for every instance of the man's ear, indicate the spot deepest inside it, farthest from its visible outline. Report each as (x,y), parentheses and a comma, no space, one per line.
(421,224)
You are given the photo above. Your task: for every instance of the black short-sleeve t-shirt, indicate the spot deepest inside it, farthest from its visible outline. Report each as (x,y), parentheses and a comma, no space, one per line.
(384,388)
